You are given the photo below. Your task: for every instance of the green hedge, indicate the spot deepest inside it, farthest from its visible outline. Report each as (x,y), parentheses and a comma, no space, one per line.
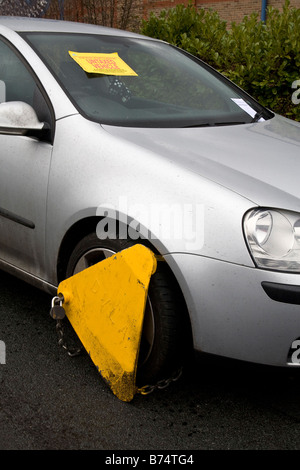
(262,58)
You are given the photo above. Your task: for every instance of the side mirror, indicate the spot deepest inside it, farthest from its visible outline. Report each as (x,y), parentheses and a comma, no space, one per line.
(18,118)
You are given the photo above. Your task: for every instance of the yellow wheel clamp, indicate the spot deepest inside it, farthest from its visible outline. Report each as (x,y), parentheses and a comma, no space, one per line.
(105,305)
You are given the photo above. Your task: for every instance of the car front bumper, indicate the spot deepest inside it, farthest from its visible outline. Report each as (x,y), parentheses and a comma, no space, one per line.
(240,312)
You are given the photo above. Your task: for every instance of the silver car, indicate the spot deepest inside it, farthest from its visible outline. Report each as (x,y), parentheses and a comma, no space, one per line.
(108,139)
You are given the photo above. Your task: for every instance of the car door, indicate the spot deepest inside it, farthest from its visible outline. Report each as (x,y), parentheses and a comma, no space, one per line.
(24,169)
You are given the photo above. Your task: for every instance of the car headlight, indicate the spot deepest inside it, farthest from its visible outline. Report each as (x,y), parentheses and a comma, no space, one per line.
(273,238)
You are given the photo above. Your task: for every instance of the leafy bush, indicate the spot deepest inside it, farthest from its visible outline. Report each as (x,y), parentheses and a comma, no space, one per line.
(262,58)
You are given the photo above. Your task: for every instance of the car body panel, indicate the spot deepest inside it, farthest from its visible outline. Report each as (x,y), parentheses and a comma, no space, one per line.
(25,165)
(254,160)
(231,315)
(148,183)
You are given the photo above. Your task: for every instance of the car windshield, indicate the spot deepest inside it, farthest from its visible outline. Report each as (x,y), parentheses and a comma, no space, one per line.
(127,81)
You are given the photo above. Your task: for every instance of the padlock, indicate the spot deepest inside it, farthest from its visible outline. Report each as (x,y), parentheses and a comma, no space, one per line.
(57,311)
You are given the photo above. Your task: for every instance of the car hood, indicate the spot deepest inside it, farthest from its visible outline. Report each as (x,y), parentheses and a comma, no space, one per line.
(259,161)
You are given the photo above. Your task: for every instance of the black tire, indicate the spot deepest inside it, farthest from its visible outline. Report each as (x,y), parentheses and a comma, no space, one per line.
(160,352)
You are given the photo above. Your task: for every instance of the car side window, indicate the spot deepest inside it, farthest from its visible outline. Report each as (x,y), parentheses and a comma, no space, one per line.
(17,84)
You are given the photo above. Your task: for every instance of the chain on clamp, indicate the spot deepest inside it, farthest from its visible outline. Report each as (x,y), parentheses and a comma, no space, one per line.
(57,312)
(161,384)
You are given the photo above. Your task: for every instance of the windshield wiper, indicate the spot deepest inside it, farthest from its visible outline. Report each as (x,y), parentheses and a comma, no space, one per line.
(202,124)
(211,124)
(230,123)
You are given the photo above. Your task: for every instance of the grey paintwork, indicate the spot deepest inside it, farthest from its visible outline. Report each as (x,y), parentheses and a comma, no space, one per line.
(254,160)
(226,170)
(17,115)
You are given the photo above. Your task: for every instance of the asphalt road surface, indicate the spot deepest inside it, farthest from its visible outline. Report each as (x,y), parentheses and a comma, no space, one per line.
(52,401)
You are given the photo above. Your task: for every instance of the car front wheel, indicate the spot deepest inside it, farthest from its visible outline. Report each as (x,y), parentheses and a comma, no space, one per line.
(163,330)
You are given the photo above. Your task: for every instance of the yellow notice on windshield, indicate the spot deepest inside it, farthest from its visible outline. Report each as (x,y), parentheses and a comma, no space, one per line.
(108,64)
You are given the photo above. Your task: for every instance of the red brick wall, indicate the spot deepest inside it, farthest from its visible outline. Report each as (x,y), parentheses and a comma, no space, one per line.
(229,10)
